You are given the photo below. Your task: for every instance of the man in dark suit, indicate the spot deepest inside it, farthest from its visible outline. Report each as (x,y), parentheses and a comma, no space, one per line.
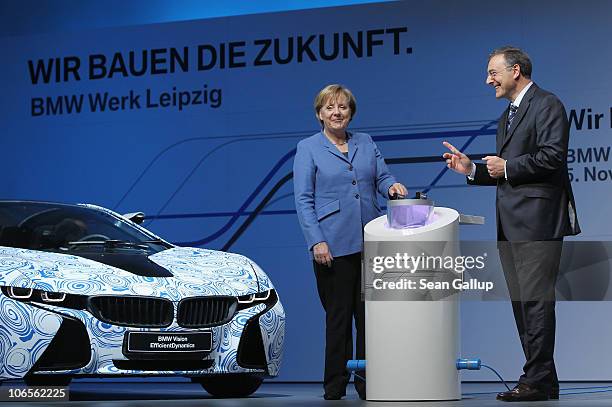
(534,210)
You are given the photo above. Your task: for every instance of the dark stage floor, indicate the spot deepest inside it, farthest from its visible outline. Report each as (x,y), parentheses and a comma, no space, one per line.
(181,392)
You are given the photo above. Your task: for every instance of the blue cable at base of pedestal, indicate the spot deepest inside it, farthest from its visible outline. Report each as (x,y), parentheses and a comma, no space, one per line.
(352,365)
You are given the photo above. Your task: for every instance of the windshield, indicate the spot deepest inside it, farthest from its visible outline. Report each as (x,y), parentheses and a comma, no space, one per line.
(57,227)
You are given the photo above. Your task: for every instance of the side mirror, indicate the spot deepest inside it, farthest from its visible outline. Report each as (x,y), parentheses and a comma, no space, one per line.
(136,217)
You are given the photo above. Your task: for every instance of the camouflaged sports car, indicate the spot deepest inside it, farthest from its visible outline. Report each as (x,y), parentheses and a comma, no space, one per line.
(85,291)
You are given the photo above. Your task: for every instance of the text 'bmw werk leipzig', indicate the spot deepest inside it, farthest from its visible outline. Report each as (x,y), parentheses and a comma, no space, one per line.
(199,58)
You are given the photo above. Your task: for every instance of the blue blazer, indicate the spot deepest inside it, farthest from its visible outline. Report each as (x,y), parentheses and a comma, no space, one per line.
(335,196)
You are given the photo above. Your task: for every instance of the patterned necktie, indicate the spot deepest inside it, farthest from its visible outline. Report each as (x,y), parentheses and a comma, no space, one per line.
(511,115)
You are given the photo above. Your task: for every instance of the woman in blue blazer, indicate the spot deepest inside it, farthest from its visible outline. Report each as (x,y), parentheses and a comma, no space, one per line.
(336,177)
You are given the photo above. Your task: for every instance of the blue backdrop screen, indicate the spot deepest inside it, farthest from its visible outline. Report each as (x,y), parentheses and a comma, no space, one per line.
(195,123)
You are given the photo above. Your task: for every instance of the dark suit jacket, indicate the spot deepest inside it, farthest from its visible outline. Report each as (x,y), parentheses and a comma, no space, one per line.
(536,202)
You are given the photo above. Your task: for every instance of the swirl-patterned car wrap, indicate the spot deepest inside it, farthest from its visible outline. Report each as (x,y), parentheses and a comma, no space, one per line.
(25,333)
(273,333)
(28,326)
(196,272)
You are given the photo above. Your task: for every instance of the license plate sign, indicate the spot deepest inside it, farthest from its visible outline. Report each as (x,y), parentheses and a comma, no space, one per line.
(169,342)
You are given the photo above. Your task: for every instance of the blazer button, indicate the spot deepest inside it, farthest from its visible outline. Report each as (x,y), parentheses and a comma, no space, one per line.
(354,182)
(356,196)
(350,168)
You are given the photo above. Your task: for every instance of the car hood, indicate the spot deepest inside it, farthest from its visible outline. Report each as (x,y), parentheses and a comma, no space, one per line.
(194,272)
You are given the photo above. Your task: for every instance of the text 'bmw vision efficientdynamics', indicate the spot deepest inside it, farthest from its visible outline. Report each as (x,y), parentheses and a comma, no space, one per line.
(85,291)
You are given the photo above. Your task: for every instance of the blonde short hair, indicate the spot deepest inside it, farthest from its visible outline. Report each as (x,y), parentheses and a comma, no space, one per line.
(332,92)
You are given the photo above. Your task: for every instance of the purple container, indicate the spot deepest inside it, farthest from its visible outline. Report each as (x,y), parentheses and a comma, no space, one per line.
(409,213)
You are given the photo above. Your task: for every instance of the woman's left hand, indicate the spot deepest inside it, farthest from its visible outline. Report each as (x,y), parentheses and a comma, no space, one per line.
(398,189)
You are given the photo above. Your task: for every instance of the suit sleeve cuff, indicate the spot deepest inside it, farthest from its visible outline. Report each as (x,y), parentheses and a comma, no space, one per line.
(385,187)
(472,173)
(315,238)
(314,244)
(505,170)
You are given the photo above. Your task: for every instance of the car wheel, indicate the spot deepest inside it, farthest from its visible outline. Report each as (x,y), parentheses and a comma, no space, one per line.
(236,385)
(47,380)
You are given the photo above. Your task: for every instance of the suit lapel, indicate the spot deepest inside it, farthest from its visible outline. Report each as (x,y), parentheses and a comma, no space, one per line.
(330,147)
(501,130)
(352,148)
(520,113)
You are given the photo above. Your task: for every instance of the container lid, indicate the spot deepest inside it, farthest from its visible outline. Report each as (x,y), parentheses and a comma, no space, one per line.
(404,202)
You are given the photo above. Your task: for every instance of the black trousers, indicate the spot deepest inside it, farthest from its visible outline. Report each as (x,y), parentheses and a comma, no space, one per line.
(339,288)
(531,270)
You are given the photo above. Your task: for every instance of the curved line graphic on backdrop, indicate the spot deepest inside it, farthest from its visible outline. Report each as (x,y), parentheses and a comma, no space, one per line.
(146,169)
(188,177)
(246,203)
(256,212)
(428,135)
(278,199)
(267,198)
(421,126)
(188,140)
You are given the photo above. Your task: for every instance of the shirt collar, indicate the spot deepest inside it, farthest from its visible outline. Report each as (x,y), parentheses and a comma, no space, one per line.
(519,98)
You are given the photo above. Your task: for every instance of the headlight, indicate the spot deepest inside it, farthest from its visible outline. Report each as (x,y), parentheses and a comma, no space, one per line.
(250,300)
(45,297)
(18,293)
(52,297)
